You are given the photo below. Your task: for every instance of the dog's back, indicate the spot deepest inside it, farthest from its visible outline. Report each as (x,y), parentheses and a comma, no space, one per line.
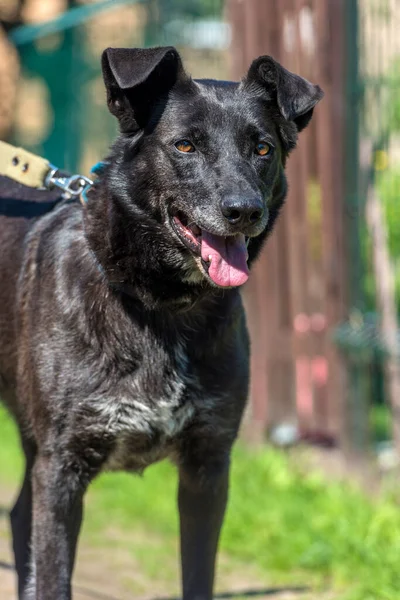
(20,207)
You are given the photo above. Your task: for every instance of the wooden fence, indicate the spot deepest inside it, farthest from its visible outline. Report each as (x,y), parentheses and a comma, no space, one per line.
(298,293)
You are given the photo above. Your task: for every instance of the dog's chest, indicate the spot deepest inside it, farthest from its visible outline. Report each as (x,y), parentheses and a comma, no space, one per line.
(148,409)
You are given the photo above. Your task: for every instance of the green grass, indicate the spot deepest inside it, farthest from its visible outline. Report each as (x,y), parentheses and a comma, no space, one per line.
(294,527)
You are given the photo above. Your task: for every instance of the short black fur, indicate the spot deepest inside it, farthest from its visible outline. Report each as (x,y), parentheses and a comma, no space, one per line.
(119,345)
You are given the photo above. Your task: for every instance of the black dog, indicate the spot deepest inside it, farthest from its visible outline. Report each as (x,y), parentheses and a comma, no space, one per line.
(123,337)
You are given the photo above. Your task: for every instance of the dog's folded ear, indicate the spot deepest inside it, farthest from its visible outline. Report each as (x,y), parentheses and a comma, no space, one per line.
(136,79)
(295,96)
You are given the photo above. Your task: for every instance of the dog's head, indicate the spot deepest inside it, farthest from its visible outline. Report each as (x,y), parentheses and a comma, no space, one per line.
(202,161)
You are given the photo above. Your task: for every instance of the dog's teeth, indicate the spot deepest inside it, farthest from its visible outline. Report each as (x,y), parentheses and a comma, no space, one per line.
(195,229)
(209,258)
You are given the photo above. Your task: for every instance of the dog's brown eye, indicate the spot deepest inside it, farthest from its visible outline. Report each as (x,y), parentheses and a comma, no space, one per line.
(184,146)
(263,149)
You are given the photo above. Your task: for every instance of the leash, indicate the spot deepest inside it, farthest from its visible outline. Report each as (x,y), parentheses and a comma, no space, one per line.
(37,172)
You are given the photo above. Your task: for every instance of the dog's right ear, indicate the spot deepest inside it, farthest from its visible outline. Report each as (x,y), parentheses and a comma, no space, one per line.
(135,79)
(294,96)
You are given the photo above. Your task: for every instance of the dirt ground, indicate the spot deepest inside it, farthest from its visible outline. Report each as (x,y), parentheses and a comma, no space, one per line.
(97,578)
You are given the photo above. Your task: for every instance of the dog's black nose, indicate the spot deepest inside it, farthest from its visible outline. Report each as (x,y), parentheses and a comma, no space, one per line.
(242,211)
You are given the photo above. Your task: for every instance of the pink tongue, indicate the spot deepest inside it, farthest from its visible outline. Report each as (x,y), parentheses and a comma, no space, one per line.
(228,266)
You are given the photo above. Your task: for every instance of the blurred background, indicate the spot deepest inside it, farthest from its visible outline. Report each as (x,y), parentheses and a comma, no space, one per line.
(324,299)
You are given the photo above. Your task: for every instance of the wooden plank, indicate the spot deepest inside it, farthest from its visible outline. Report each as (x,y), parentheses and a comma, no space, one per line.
(292,58)
(330,143)
(235,15)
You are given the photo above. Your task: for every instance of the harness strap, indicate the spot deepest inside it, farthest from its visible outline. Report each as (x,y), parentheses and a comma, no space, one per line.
(22,166)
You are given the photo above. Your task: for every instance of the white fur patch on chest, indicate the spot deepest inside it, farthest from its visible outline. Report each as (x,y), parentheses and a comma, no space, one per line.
(128,417)
(137,420)
(131,416)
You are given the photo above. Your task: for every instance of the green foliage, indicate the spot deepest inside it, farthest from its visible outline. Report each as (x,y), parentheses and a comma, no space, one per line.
(296,527)
(393,97)
(388,185)
(382,122)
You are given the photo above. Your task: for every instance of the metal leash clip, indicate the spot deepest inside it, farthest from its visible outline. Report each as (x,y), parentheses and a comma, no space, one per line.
(72,186)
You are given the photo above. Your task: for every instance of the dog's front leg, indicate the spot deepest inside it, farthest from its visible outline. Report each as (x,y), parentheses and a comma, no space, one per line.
(57,514)
(202,498)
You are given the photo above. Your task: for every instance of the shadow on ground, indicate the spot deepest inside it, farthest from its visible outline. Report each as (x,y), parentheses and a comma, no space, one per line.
(254,593)
(89,593)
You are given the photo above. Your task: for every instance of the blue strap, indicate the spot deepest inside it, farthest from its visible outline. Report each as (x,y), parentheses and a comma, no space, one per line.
(97,169)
